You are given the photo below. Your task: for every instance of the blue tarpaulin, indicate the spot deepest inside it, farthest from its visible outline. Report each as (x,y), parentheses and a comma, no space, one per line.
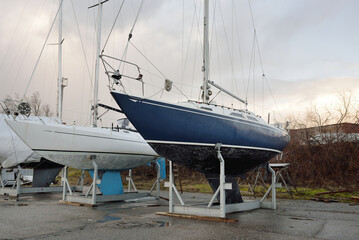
(162,162)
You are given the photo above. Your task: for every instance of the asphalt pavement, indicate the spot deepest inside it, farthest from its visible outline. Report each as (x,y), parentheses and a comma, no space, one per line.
(41,216)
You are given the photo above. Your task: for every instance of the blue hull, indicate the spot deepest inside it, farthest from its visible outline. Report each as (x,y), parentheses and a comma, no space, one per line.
(188,136)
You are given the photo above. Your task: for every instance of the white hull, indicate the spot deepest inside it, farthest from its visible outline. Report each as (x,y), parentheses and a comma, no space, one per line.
(74,146)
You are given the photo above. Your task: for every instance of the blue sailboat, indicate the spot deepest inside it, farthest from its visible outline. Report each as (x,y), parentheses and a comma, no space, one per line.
(187,132)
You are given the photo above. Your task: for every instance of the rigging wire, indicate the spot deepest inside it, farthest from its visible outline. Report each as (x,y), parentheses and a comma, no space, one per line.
(13,35)
(161,77)
(82,44)
(216,96)
(32,74)
(199,39)
(113,25)
(228,48)
(232,36)
(260,59)
(250,67)
(158,70)
(198,24)
(22,51)
(181,92)
(239,50)
(219,64)
(147,60)
(213,29)
(87,112)
(187,51)
(254,71)
(144,48)
(182,45)
(130,34)
(195,46)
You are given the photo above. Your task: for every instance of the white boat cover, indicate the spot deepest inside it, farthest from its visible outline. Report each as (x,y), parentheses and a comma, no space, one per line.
(75,146)
(13,150)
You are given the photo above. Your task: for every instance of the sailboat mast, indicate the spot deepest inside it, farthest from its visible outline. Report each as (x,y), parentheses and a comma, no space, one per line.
(205,67)
(95,98)
(59,81)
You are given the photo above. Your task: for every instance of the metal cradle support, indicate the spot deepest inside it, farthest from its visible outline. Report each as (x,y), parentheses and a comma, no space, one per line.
(16,190)
(92,197)
(209,210)
(131,183)
(172,188)
(1,180)
(158,181)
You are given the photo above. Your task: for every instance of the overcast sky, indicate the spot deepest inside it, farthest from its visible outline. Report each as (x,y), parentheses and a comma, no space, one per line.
(309,51)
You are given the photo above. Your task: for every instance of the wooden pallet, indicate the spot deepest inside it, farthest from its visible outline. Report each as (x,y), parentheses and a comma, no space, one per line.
(214,219)
(77,204)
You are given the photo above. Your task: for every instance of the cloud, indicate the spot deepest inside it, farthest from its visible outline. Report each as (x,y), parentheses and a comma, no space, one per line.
(295,97)
(308,48)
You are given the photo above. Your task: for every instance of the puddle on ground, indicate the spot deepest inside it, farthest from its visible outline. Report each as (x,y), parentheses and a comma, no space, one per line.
(15,204)
(153,205)
(20,204)
(108,219)
(164,224)
(152,224)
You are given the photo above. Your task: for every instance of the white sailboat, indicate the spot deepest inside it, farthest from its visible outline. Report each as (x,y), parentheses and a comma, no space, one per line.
(77,146)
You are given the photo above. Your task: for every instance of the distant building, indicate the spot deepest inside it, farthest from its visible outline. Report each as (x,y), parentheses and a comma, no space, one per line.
(334,133)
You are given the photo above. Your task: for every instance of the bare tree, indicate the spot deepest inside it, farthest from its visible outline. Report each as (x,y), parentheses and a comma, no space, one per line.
(10,103)
(317,118)
(324,148)
(46,111)
(345,108)
(35,103)
(37,108)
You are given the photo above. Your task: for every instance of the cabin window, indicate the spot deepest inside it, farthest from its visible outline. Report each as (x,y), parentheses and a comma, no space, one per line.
(237,114)
(206,108)
(252,118)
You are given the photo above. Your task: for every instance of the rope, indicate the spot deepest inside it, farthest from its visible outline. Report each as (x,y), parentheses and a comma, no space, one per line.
(113,25)
(43,47)
(160,91)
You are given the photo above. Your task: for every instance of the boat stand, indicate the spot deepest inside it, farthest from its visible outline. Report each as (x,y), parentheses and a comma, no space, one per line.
(16,190)
(282,175)
(161,175)
(252,181)
(219,211)
(92,196)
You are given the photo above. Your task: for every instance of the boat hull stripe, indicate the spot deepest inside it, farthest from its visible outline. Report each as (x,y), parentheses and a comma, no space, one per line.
(211,144)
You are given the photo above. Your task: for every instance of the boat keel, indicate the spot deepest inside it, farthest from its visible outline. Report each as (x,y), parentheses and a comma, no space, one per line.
(232,196)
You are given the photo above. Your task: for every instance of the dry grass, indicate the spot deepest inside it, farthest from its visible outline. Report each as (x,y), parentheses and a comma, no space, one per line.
(197,183)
